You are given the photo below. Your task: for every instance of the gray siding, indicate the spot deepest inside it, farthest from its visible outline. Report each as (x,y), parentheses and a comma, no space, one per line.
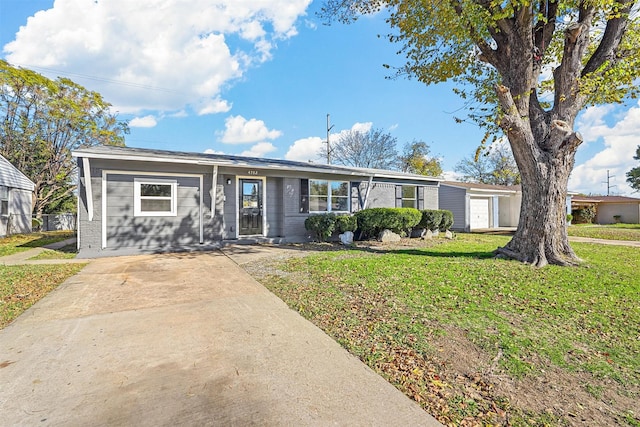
(431,200)
(229,207)
(382,195)
(274,208)
(455,200)
(293,221)
(124,229)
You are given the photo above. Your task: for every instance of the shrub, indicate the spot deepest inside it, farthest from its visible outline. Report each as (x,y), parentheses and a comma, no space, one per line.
(321,225)
(447,220)
(430,220)
(399,220)
(569,218)
(584,215)
(346,223)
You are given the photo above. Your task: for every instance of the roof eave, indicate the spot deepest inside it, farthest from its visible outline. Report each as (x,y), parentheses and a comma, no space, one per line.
(258,165)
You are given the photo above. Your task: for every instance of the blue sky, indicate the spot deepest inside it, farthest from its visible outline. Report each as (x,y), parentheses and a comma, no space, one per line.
(259,77)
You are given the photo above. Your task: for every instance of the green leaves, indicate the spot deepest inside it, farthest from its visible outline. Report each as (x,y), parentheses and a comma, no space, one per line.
(42,120)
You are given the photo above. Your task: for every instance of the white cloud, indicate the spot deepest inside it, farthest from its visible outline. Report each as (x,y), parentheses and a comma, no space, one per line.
(143,122)
(451,176)
(144,56)
(239,130)
(362,127)
(306,149)
(212,151)
(261,149)
(620,143)
(311,148)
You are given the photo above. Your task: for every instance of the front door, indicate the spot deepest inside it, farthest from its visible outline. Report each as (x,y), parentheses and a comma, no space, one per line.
(250,207)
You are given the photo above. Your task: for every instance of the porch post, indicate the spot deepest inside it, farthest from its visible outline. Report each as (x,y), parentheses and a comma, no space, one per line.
(214,190)
(86,170)
(366,195)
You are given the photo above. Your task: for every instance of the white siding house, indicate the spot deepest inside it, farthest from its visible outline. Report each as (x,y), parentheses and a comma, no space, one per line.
(480,206)
(16,201)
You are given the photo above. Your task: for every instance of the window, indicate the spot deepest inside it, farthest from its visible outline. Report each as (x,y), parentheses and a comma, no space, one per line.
(409,196)
(328,196)
(155,197)
(4,200)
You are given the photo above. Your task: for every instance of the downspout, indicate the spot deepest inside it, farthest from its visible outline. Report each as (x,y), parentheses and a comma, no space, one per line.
(366,195)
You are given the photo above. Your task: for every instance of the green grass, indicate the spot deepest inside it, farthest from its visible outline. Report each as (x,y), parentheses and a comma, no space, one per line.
(66,252)
(23,242)
(627,232)
(385,306)
(23,285)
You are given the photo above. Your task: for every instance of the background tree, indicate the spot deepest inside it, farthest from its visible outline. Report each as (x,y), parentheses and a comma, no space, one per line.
(633,176)
(416,159)
(43,120)
(495,167)
(497,52)
(373,149)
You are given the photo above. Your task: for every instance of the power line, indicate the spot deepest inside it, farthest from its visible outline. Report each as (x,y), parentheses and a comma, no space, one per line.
(99,79)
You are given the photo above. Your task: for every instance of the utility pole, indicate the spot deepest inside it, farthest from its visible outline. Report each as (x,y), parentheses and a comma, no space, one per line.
(328,144)
(608,182)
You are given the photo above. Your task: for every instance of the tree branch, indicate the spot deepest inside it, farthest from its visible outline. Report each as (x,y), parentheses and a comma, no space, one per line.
(610,41)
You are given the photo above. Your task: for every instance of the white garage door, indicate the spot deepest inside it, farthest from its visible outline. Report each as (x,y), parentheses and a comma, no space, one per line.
(479,213)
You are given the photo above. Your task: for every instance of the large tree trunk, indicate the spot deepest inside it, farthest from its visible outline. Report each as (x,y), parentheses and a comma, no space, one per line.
(541,237)
(544,165)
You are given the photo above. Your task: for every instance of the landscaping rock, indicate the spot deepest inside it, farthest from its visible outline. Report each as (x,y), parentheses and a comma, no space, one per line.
(346,238)
(448,235)
(428,234)
(389,236)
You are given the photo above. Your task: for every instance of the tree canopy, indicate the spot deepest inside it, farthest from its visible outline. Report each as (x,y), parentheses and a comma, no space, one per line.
(527,68)
(43,120)
(365,149)
(496,166)
(416,158)
(633,176)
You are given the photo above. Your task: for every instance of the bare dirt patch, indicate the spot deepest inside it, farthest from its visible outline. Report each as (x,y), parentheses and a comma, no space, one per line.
(460,383)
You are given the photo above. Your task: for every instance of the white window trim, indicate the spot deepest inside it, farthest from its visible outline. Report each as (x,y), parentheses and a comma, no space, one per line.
(415,195)
(8,200)
(329,196)
(137,197)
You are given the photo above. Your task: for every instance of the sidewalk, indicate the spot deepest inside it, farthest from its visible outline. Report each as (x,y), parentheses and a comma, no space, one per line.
(22,258)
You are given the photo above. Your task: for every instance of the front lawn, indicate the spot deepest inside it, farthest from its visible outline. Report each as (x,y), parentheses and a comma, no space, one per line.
(477,340)
(23,242)
(21,286)
(628,232)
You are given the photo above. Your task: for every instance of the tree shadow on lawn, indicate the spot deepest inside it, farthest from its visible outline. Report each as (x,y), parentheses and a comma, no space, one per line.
(361,246)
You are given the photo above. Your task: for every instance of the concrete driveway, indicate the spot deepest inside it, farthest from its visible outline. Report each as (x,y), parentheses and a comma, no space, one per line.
(182,339)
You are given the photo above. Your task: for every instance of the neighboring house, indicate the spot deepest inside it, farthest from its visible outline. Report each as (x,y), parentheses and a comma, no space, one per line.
(141,199)
(16,192)
(610,209)
(483,206)
(480,206)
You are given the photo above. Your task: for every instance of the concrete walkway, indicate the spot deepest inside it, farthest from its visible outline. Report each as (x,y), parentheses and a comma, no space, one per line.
(182,339)
(632,243)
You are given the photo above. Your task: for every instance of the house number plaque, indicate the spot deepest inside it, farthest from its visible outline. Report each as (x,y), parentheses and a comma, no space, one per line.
(252,172)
